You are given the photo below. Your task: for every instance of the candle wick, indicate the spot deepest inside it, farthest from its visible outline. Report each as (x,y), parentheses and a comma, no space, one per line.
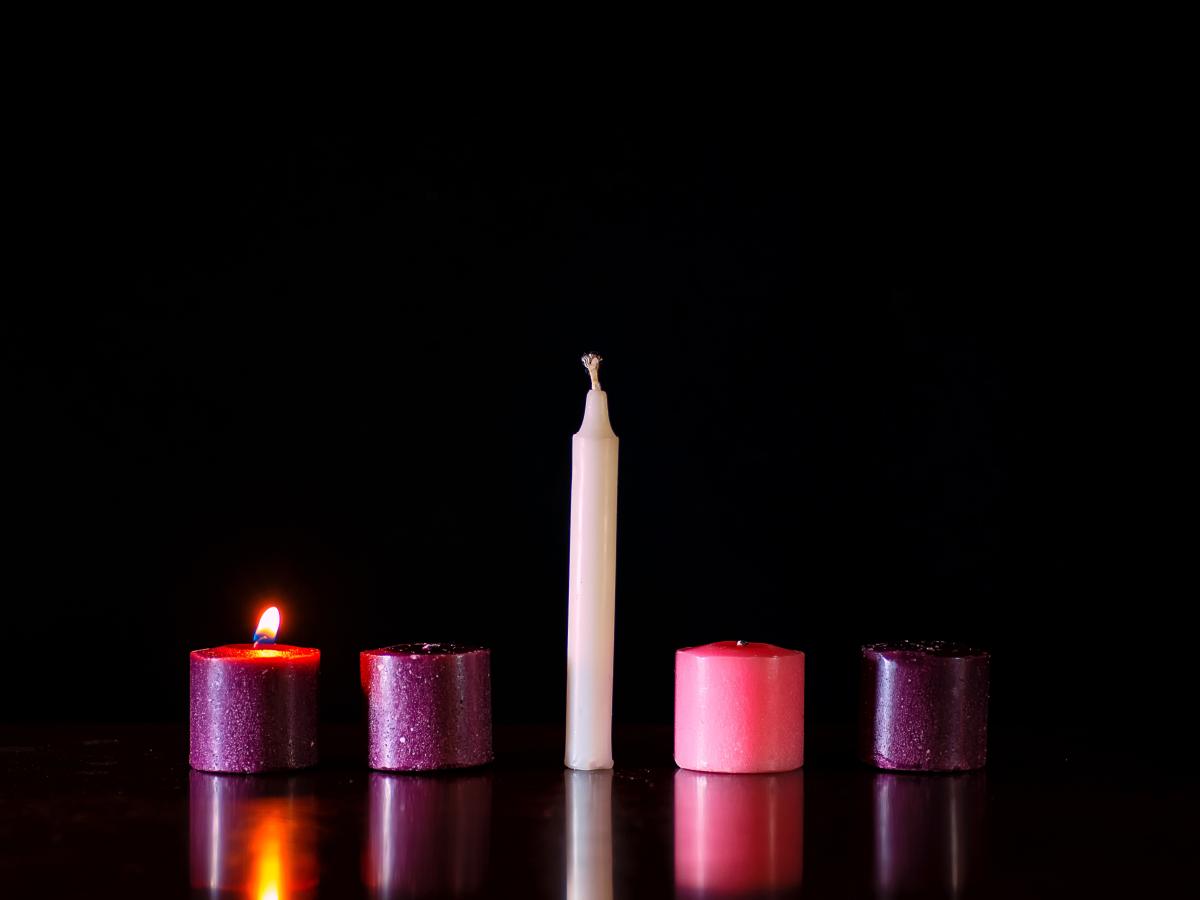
(591,362)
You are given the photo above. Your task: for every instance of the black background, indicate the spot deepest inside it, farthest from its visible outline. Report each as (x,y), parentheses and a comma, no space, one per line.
(869,376)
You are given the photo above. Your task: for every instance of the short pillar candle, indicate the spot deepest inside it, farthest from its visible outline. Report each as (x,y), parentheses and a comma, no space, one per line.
(429,706)
(254,706)
(739,707)
(924,706)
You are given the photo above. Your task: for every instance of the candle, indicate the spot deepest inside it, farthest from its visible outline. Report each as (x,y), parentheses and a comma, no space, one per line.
(429,706)
(738,834)
(592,593)
(254,706)
(929,839)
(589,836)
(739,707)
(924,706)
(252,837)
(429,835)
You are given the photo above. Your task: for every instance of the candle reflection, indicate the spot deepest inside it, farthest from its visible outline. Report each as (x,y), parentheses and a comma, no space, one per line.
(738,833)
(589,835)
(927,833)
(429,834)
(252,836)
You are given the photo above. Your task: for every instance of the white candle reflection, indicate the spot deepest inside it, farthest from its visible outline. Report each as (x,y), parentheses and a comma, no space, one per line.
(589,835)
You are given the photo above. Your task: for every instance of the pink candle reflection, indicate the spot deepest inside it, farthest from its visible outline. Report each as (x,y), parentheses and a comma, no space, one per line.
(429,835)
(738,833)
(252,836)
(928,833)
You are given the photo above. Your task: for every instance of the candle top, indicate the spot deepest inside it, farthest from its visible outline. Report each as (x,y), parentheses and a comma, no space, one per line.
(892,649)
(426,649)
(739,649)
(253,652)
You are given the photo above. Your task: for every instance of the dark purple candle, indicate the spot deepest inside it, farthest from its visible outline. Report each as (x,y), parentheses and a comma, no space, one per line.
(254,706)
(924,706)
(429,706)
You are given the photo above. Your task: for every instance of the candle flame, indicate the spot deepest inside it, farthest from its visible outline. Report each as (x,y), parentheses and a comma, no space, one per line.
(268,627)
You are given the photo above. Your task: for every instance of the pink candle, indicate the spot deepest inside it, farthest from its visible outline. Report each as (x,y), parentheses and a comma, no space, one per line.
(739,707)
(736,834)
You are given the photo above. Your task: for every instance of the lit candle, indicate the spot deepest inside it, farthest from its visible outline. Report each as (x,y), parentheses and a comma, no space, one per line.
(593,578)
(739,707)
(254,706)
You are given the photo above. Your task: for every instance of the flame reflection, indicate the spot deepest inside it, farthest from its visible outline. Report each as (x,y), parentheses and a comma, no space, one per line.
(252,837)
(738,833)
(928,833)
(429,834)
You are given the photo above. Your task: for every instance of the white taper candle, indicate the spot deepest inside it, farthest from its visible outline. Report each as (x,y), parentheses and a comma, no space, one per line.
(592,593)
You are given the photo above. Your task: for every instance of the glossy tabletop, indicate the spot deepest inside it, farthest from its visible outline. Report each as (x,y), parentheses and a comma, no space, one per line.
(115,810)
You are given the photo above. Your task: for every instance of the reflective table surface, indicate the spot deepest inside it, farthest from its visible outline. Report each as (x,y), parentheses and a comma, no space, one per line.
(115,811)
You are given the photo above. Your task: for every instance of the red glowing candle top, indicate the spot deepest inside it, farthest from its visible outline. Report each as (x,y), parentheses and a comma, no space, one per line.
(264,647)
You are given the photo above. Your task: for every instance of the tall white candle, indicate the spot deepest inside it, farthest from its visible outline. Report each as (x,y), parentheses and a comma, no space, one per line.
(592,594)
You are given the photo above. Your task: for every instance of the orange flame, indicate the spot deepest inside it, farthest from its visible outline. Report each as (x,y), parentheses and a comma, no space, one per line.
(268,626)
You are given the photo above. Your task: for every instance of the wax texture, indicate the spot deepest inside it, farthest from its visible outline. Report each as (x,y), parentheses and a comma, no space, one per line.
(924,706)
(253,709)
(429,706)
(739,707)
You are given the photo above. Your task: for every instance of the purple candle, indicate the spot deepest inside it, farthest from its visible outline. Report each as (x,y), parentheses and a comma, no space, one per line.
(254,706)
(429,706)
(924,706)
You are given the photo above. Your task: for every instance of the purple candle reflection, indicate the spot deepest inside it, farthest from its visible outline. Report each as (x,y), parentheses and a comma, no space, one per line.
(252,836)
(429,834)
(928,833)
(924,706)
(429,706)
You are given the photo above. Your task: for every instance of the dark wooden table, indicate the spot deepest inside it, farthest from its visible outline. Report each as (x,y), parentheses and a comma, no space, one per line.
(114,811)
